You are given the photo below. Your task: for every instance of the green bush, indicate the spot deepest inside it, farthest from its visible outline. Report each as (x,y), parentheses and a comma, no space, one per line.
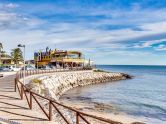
(36,81)
(99,70)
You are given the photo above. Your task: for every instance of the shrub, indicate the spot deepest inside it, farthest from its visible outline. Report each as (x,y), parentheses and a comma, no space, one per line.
(36,81)
(99,70)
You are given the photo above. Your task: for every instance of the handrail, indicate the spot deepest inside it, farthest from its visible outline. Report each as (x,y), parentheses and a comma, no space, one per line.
(52,103)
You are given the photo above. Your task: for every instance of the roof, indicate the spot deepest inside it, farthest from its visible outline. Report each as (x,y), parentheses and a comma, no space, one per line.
(58,52)
(74,52)
(6,58)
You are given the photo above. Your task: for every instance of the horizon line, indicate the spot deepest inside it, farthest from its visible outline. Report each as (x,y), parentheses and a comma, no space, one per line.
(130,65)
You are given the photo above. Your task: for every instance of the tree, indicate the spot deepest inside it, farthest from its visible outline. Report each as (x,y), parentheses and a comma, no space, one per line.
(3,54)
(17,55)
(1,46)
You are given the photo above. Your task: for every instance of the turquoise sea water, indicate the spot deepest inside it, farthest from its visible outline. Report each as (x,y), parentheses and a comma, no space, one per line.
(142,96)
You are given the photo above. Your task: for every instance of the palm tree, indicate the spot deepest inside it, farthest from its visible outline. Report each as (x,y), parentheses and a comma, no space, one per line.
(17,55)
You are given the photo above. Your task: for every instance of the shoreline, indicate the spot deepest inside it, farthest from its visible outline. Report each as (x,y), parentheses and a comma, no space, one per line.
(98,109)
(67,80)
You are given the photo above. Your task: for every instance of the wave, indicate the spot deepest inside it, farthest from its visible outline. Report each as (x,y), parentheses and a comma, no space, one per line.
(156,107)
(149,110)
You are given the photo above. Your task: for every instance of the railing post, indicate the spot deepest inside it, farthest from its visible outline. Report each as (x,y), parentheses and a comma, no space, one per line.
(30,100)
(15,85)
(77,118)
(20,74)
(50,110)
(22,88)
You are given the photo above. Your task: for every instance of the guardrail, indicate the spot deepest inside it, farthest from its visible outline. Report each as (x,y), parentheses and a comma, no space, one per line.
(55,107)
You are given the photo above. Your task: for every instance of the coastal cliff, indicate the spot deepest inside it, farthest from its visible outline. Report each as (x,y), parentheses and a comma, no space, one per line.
(53,86)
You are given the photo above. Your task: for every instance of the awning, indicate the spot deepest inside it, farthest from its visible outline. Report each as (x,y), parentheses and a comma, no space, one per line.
(69,60)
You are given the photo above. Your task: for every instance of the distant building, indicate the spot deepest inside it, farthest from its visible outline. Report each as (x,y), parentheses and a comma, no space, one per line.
(59,58)
(7,60)
(30,62)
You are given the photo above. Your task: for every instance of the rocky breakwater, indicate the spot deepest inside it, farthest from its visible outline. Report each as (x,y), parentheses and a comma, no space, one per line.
(53,86)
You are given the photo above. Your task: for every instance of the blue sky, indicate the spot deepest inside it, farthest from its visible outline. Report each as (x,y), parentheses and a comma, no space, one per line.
(107,31)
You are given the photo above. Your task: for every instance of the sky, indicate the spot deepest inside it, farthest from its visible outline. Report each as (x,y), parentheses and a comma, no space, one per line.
(127,32)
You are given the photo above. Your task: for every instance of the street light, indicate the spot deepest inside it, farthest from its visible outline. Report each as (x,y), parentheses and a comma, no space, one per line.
(21,45)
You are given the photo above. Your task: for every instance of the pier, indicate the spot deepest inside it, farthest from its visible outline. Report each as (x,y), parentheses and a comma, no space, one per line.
(13,110)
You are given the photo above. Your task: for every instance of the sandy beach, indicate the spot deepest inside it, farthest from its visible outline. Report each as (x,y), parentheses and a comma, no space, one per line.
(100,111)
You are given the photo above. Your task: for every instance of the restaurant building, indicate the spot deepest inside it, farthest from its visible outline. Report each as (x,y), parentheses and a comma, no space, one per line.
(59,58)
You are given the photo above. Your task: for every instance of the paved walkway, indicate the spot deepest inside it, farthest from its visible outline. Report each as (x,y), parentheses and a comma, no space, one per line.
(13,110)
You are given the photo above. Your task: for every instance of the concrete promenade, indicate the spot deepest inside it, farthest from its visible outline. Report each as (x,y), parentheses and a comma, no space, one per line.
(13,110)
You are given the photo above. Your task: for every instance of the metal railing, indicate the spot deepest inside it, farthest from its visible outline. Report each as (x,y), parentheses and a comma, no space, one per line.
(54,106)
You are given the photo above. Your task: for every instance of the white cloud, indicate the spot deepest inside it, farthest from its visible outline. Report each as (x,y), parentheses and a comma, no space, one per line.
(145,44)
(10,5)
(155,27)
(5,16)
(161,47)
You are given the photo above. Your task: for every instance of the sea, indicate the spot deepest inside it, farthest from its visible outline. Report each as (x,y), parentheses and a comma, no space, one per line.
(143,96)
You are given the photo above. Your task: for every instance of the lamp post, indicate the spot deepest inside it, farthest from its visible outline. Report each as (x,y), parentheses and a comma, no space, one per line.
(1,47)
(23,46)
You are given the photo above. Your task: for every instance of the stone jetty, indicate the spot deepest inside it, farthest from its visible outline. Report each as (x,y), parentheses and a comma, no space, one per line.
(54,85)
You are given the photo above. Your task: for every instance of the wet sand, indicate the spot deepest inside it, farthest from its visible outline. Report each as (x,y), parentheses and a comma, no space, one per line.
(102,110)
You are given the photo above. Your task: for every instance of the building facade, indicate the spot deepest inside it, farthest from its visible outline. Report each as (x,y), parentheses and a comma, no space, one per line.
(59,58)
